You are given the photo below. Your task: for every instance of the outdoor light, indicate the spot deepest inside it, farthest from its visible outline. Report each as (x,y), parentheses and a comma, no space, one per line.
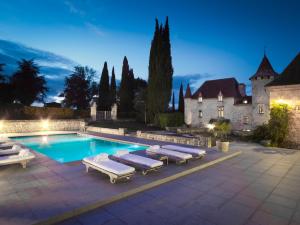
(45,124)
(210,126)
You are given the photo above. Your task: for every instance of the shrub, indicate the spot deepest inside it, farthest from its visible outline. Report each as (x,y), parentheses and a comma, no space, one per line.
(222,129)
(261,133)
(164,120)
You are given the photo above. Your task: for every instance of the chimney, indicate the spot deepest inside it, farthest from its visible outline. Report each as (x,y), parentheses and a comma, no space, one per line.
(242,89)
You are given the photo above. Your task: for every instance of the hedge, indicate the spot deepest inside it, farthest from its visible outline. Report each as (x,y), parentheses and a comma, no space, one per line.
(17,111)
(164,120)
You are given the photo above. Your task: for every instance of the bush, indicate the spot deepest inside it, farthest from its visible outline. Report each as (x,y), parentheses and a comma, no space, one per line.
(164,120)
(261,133)
(277,129)
(222,129)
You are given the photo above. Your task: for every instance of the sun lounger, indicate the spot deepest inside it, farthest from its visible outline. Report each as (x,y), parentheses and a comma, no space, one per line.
(113,169)
(196,153)
(142,163)
(15,149)
(178,157)
(7,144)
(23,158)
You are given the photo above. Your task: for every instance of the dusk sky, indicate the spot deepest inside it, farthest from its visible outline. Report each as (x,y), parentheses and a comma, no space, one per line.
(218,38)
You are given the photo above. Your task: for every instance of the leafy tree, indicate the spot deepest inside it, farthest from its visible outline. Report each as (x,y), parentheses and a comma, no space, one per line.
(28,85)
(113,87)
(2,77)
(6,90)
(173,103)
(104,103)
(160,71)
(77,90)
(181,100)
(126,91)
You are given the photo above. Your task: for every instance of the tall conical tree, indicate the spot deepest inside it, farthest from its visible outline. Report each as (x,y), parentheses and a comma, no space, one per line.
(173,103)
(104,96)
(160,71)
(126,104)
(181,100)
(113,87)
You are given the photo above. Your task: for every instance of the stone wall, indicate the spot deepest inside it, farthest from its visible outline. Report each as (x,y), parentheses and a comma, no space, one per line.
(290,95)
(199,141)
(27,126)
(209,108)
(120,131)
(260,97)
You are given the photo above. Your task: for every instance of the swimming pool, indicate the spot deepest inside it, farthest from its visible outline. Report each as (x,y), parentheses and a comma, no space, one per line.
(73,147)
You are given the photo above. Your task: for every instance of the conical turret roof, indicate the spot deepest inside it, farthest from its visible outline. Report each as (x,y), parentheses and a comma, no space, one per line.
(265,69)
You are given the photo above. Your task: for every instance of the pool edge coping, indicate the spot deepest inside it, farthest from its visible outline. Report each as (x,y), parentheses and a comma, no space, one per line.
(76,212)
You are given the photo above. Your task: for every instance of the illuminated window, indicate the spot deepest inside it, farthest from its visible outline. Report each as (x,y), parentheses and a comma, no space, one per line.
(246,120)
(221,111)
(297,108)
(200,99)
(261,109)
(200,114)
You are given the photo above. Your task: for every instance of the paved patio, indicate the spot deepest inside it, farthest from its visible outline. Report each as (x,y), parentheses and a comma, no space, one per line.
(259,187)
(47,189)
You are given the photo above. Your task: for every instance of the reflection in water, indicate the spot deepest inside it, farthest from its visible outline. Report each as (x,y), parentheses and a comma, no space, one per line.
(93,146)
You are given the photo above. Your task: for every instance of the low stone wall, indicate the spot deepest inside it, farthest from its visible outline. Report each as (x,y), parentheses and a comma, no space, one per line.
(120,131)
(27,126)
(199,141)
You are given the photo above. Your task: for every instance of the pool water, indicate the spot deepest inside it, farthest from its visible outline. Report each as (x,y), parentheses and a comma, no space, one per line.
(72,147)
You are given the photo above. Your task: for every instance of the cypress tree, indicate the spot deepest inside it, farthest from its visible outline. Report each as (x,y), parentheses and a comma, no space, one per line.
(113,87)
(173,103)
(181,100)
(104,96)
(160,71)
(125,92)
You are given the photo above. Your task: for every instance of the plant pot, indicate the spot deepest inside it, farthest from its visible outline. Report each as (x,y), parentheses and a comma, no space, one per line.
(224,146)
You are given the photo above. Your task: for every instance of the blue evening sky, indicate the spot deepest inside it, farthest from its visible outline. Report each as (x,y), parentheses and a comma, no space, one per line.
(216,38)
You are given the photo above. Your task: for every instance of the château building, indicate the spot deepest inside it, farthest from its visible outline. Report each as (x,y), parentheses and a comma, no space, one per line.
(227,98)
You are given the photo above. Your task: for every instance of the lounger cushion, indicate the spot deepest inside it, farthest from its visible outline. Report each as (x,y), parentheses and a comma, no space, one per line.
(101,157)
(184,149)
(167,152)
(15,158)
(111,166)
(140,160)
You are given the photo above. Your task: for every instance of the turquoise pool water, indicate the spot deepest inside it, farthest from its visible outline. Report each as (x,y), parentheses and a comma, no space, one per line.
(72,147)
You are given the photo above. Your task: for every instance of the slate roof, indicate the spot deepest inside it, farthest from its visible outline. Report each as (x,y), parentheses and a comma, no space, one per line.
(188,93)
(229,87)
(265,69)
(291,74)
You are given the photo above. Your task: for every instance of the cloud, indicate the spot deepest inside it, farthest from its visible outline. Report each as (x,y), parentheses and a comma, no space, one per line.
(95,29)
(73,9)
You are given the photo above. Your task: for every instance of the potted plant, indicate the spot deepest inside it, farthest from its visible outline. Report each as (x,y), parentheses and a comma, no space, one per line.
(223,129)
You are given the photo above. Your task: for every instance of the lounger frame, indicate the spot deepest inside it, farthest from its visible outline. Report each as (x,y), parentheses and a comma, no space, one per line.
(178,160)
(145,169)
(112,176)
(194,155)
(23,162)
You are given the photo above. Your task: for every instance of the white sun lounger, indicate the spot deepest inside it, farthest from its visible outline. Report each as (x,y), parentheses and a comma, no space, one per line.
(23,158)
(9,151)
(7,144)
(196,153)
(143,163)
(178,157)
(114,170)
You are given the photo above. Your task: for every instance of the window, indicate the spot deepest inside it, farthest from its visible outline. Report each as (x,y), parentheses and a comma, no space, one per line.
(261,109)
(297,108)
(200,99)
(221,111)
(200,114)
(220,97)
(246,120)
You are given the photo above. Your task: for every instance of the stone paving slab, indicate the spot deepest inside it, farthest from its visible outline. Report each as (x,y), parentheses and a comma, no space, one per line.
(47,189)
(225,194)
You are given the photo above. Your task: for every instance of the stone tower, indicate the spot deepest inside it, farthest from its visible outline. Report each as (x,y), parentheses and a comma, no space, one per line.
(260,98)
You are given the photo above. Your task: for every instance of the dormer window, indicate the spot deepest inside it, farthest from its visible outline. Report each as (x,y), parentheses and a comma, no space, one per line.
(220,97)
(200,99)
